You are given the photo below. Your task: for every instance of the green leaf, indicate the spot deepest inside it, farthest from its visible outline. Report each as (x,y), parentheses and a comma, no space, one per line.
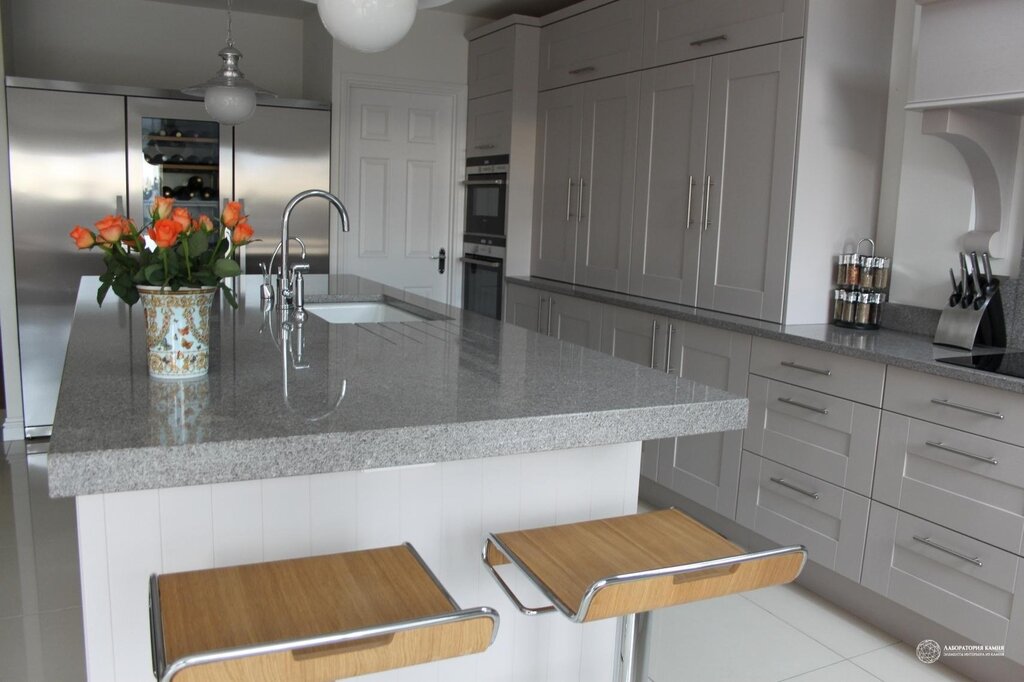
(198,243)
(102,293)
(228,295)
(225,267)
(154,274)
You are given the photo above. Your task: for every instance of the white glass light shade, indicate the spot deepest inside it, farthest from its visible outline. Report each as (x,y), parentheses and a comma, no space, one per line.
(230,105)
(367,25)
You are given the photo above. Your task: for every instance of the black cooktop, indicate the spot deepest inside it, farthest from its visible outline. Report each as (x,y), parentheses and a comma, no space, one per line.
(1011,364)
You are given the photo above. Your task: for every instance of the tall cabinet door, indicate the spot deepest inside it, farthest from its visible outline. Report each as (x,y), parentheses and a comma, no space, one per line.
(751,155)
(555,203)
(607,168)
(280,152)
(67,168)
(670,168)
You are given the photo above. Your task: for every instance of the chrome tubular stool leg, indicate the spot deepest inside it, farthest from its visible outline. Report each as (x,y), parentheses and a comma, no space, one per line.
(634,647)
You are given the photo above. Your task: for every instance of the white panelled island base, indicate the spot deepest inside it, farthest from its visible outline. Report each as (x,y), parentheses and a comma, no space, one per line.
(444,509)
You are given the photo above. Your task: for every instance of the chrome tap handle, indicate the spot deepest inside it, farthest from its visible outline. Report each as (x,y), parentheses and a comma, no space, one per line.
(298,287)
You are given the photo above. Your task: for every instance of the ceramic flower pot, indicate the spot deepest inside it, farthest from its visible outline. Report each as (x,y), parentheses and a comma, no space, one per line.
(177,330)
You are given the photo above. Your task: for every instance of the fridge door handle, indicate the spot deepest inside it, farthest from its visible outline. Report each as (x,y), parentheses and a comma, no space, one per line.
(119,205)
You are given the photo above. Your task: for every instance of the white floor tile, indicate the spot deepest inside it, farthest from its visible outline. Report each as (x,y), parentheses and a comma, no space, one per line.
(13,664)
(838,672)
(899,663)
(729,639)
(837,629)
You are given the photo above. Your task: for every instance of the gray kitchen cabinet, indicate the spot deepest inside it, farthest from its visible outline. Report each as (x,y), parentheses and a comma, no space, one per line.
(819,434)
(670,170)
(959,582)
(572,319)
(968,483)
(755,99)
(794,508)
(559,123)
(706,468)
(489,125)
(601,42)
(522,307)
(491,59)
(680,30)
(605,189)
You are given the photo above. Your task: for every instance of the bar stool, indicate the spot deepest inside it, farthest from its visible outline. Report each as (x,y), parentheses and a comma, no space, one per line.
(627,566)
(314,619)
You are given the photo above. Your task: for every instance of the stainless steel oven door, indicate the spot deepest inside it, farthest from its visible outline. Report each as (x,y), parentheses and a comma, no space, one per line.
(485,204)
(482,279)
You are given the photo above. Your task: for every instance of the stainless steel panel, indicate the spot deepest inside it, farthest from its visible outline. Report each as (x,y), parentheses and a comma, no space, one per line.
(279,153)
(67,153)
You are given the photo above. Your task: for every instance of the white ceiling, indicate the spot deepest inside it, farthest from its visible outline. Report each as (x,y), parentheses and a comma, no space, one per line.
(490,9)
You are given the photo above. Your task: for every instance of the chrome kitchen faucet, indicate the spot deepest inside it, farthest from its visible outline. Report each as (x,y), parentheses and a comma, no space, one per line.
(292,286)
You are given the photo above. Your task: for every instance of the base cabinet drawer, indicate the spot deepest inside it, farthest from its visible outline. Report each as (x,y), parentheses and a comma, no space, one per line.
(792,508)
(956,581)
(819,434)
(977,409)
(971,484)
(850,378)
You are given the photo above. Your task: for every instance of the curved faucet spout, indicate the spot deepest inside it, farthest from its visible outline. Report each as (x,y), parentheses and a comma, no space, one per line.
(286,287)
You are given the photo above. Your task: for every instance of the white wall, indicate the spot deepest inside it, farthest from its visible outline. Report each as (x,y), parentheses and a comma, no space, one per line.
(152,44)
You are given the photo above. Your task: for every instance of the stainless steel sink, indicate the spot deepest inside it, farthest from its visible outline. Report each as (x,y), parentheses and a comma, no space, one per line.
(361,312)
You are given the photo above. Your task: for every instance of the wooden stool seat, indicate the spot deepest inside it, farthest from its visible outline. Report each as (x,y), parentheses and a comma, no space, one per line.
(314,619)
(631,564)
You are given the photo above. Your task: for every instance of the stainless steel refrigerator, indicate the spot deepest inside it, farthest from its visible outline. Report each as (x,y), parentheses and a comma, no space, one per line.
(77,156)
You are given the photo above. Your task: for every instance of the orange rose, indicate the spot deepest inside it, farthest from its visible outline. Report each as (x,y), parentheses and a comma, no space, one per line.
(203,223)
(241,234)
(162,207)
(232,214)
(111,228)
(182,217)
(165,233)
(84,239)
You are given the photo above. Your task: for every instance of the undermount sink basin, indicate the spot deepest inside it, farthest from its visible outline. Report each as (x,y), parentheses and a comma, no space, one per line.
(362,312)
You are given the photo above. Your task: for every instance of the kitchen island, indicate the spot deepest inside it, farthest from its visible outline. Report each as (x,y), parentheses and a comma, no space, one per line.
(314,438)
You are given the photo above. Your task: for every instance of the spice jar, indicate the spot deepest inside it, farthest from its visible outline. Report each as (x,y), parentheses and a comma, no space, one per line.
(863,314)
(867,272)
(844,262)
(840,305)
(882,272)
(850,309)
(853,271)
(875,313)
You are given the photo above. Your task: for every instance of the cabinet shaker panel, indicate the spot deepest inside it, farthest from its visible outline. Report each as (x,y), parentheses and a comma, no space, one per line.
(489,125)
(491,60)
(601,42)
(608,162)
(749,185)
(556,189)
(522,307)
(575,320)
(670,171)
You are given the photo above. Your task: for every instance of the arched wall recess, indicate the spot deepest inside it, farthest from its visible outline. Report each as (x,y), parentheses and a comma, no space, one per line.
(989,142)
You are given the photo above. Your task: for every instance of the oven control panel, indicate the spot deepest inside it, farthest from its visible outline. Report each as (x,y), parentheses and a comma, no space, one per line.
(490,250)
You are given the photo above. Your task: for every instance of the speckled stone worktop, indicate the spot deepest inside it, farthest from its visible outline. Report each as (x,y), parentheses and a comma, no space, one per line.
(910,351)
(327,398)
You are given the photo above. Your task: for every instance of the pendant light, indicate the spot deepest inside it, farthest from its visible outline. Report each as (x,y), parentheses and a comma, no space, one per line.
(229,97)
(370,25)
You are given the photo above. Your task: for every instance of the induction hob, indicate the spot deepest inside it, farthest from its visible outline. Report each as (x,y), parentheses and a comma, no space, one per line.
(1010,364)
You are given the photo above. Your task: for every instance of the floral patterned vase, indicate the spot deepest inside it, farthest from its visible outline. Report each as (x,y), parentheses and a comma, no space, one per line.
(177,330)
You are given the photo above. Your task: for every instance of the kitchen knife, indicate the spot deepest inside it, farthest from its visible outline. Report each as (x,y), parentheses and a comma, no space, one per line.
(954,299)
(967,296)
(990,283)
(979,289)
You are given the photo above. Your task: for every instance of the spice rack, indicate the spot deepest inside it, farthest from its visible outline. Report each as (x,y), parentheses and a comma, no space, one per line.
(862,288)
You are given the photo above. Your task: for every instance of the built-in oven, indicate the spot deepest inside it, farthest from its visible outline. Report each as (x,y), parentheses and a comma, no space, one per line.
(483,276)
(486,191)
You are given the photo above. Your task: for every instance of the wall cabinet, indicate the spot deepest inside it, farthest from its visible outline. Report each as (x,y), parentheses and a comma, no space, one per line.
(491,59)
(489,125)
(595,44)
(586,155)
(678,30)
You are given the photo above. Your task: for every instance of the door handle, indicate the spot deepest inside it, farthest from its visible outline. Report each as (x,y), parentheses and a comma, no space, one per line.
(668,349)
(568,201)
(689,203)
(119,205)
(441,258)
(551,304)
(579,201)
(707,204)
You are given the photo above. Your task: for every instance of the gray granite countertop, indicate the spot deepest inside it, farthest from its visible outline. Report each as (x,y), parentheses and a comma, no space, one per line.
(900,349)
(345,397)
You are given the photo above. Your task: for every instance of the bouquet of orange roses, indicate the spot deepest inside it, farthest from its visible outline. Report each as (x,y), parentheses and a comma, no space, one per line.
(174,250)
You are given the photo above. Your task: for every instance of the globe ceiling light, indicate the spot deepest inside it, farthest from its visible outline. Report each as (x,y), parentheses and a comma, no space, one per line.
(367,25)
(229,97)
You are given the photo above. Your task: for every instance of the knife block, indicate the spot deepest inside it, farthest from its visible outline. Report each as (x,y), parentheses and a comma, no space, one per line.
(966,327)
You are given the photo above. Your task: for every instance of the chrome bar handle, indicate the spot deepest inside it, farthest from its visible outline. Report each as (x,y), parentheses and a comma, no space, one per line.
(712,39)
(797,403)
(568,201)
(484,146)
(942,548)
(689,203)
(539,308)
(963,453)
(707,203)
(786,484)
(654,339)
(966,408)
(551,304)
(668,349)
(805,368)
(582,70)
(579,201)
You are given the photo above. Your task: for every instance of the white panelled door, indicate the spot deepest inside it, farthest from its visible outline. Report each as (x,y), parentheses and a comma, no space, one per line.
(399,186)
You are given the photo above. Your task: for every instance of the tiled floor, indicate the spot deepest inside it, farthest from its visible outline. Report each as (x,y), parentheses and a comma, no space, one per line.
(782,633)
